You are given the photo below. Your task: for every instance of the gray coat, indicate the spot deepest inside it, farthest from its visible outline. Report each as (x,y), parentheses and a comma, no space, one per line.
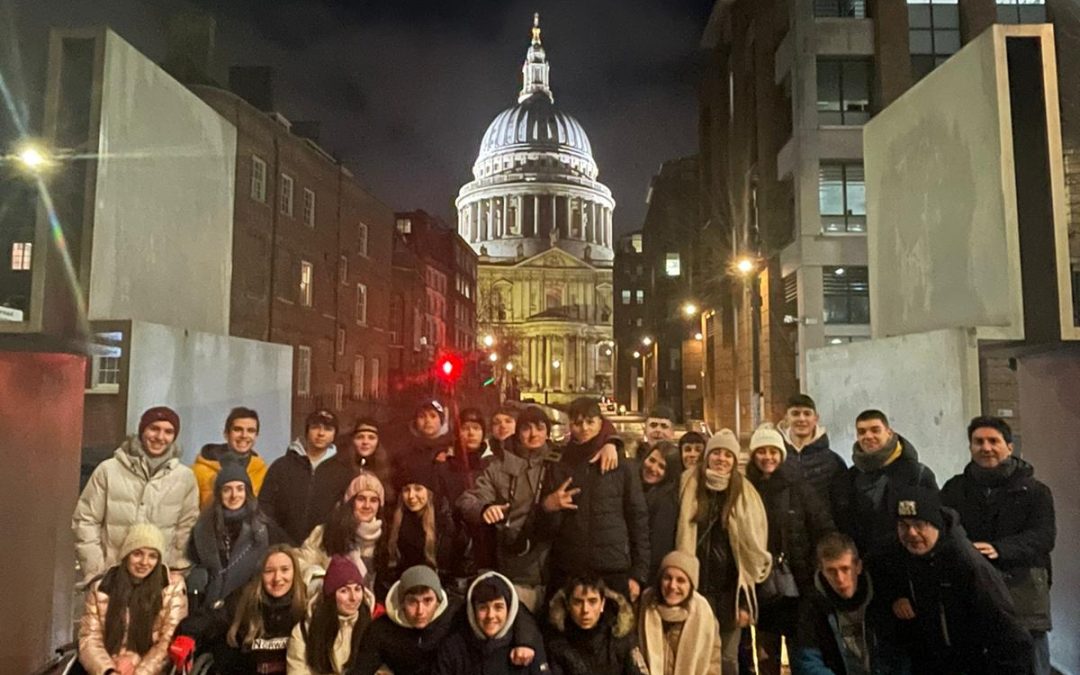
(516,480)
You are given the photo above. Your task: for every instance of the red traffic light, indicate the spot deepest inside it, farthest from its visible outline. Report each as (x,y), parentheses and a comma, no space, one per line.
(448,368)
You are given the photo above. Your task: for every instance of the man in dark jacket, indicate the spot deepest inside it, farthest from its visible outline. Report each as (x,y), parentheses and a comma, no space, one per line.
(302,486)
(884,462)
(484,645)
(809,457)
(593,631)
(959,609)
(598,521)
(1009,517)
(844,628)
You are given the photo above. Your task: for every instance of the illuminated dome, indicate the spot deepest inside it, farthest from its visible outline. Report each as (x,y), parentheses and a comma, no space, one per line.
(536,124)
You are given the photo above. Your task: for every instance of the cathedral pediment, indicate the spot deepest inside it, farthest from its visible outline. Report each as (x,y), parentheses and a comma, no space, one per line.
(554,257)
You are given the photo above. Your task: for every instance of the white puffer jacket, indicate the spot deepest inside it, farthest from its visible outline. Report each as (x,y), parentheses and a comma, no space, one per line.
(122,492)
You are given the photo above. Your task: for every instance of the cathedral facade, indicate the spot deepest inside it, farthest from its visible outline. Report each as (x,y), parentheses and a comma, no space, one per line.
(541,223)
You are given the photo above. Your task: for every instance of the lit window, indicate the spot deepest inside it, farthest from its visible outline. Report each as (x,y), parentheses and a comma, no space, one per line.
(672,265)
(847,294)
(358,377)
(1021,11)
(376,389)
(306,274)
(635,242)
(104,375)
(404,226)
(303,371)
(933,33)
(258,179)
(286,195)
(339,396)
(361,304)
(20,255)
(361,239)
(340,341)
(640,296)
(626,297)
(843,89)
(842,197)
(309,208)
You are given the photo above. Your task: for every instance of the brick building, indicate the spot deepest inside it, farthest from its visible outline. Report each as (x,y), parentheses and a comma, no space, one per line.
(785,90)
(629,279)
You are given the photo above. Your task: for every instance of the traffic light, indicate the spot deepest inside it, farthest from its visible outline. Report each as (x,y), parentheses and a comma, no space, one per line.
(449,368)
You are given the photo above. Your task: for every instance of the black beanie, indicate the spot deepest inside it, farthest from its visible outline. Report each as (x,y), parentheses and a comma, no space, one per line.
(920,503)
(232,471)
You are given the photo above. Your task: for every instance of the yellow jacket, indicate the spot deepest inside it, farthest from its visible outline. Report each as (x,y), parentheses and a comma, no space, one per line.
(208,464)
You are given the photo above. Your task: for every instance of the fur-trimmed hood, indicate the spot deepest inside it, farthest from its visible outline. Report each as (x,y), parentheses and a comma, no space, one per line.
(618,614)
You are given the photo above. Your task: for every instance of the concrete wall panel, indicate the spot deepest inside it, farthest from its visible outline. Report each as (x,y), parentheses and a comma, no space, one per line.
(203,376)
(927,384)
(164,199)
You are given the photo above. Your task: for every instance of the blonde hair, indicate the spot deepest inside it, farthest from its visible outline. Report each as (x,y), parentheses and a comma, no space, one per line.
(427,520)
(248,617)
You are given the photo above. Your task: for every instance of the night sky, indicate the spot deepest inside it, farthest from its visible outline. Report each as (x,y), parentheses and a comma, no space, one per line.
(404,89)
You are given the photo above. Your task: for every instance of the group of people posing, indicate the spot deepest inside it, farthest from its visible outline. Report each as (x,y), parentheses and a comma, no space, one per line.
(481,547)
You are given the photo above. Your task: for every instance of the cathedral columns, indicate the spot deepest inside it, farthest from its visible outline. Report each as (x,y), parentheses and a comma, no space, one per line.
(566,363)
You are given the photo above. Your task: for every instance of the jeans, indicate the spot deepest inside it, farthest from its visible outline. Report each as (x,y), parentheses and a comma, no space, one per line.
(1041,652)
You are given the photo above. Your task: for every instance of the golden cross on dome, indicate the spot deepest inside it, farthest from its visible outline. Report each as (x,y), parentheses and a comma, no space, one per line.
(536,28)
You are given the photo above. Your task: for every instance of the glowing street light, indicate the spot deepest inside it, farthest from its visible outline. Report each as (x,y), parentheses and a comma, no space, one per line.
(556,364)
(690,309)
(489,340)
(699,337)
(33,158)
(647,341)
(509,367)
(745,266)
(637,355)
(494,357)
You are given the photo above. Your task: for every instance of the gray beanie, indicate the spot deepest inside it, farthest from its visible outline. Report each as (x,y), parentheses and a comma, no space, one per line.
(419,575)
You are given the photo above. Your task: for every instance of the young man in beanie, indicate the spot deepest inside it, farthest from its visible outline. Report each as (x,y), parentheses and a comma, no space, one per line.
(484,644)
(241,430)
(809,456)
(302,486)
(1009,517)
(959,611)
(143,481)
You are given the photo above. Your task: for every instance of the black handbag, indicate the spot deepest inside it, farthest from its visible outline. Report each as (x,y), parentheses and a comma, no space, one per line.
(780,584)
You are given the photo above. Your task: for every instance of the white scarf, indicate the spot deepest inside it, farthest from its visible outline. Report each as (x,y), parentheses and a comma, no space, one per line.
(716,481)
(698,652)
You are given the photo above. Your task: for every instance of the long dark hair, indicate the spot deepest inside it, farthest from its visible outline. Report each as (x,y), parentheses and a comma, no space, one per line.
(339,530)
(133,607)
(706,509)
(248,620)
(322,630)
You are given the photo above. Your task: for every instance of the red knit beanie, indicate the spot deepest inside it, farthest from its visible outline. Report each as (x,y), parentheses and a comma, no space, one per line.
(159,414)
(339,574)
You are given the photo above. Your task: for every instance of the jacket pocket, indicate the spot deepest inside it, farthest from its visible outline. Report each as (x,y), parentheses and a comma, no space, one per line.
(1030,591)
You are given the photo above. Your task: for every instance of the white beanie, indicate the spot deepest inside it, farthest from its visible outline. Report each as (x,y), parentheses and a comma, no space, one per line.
(725,439)
(767,436)
(143,535)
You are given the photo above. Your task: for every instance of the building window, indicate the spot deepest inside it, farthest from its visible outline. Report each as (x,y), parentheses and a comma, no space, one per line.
(672,265)
(1021,11)
(847,294)
(376,390)
(842,197)
(343,270)
(358,378)
(933,33)
(404,226)
(285,197)
(361,239)
(845,9)
(339,396)
(303,371)
(20,255)
(309,208)
(258,179)
(104,375)
(635,243)
(361,304)
(340,342)
(306,275)
(639,295)
(843,87)
(626,297)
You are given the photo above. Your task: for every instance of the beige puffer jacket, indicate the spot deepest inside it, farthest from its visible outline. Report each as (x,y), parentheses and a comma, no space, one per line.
(92,653)
(122,492)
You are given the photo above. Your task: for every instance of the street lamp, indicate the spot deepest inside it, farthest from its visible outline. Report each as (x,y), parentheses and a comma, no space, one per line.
(556,363)
(698,336)
(488,340)
(647,341)
(690,310)
(494,357)
(509,367)
(745,266)
(637,355)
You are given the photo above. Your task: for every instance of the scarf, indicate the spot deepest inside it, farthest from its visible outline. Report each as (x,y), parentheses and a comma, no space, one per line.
(868,462)
(748,532)
(363,554)
(716,481)
(699,643)
(991,478)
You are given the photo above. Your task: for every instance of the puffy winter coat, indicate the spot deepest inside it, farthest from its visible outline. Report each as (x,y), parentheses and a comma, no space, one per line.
(610,648)
(964,619)
(797,519)
(121,492)
(816,463)
(1016,516)
(515,480)
(298,496)
(92,653)
(609,531)
(208,464)
(697,650)
(864,509)
(662,502)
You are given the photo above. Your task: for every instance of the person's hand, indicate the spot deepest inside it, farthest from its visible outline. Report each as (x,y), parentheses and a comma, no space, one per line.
(902,609)
(522,656)
(441,457)
(495,513)
(608,458)
(986,549)
(562,498)
(124,666)
(744,618)
(635,590)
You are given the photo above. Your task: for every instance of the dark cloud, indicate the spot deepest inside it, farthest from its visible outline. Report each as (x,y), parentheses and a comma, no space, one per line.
(405,89)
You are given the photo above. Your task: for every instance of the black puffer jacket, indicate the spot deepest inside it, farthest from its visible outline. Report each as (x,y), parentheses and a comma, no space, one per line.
(298,498)
(964,619)
(864,505)
(609,531)
(610,648)
(816,463)
(1014,513)
(797,519)
(662,501)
